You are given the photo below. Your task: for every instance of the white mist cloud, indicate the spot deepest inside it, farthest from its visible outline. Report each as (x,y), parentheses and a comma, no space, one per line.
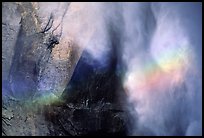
(159,56)
(162,77)
(157,80)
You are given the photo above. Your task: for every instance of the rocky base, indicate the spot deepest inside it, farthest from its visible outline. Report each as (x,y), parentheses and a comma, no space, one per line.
(101,119)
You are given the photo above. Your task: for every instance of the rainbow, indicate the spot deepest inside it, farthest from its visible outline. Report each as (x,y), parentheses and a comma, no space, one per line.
(169,69)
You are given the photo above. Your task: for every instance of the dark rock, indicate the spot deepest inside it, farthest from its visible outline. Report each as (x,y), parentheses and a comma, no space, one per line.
(87,121)
(90,100)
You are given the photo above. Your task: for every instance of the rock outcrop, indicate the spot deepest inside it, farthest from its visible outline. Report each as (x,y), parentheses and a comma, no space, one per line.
(40,94)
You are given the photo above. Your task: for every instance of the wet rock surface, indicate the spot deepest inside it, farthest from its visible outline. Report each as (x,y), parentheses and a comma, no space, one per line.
(76,120)
(90,104)
(25,56)
(40,94)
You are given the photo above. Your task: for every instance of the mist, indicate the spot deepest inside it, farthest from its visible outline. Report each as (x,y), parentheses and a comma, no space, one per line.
(159,52)
(158,47)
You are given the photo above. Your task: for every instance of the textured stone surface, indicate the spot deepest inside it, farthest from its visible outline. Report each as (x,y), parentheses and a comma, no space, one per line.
(10,28)
(27,63)
(19,119)
(91,105)
(96,120)
(40,95)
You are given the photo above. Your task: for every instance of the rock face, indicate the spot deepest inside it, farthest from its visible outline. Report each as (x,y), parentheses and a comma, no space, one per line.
(91,106)
(40,57)
(76,120)
(9,36)
(90,101)
(29,56)
(20,119)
